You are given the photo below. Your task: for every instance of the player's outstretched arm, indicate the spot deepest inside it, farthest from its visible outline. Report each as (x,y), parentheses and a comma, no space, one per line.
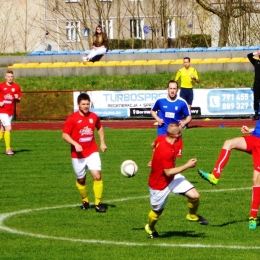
(173,171)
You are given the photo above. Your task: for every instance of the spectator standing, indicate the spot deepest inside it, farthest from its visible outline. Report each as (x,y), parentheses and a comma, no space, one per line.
(256,86)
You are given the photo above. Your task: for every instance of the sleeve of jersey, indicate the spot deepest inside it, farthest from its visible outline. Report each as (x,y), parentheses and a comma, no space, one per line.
(156,106)
(98,123)
(177,75)
(186,110)
(195,74)
(67,126)
(19,92)
(250,56)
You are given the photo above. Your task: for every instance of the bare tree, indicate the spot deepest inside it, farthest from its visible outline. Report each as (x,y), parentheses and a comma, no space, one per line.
(25,28)
(5,20)
(226,11)
(67,18)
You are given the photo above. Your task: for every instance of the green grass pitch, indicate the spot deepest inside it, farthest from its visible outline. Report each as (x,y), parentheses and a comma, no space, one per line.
(40,216)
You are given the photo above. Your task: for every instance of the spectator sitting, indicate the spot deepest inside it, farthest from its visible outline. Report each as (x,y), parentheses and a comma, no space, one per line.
(99,45)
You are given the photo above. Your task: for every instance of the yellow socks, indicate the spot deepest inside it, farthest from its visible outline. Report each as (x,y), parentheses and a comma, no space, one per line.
(193,205)
(1,135)
(7,137)
(152,219)
(82,191)
(98,191)
(97,188)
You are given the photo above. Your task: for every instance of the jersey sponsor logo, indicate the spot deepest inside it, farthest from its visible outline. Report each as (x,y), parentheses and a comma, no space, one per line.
(8,96)
(8,101)
(86,131)
(86,139)
(169,114)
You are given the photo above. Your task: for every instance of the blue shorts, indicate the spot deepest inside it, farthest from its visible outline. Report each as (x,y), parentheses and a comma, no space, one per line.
(187,94)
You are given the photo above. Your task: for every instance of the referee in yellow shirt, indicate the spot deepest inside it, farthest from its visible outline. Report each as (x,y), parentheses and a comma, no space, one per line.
(188,75)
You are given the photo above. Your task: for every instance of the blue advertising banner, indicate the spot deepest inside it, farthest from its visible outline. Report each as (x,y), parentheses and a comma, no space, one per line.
(138,103)
(235,101)
(111,112)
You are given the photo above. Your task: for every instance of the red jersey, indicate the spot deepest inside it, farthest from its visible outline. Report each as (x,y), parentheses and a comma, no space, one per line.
(177,145)
(7,96)
(81,129)
(163,158)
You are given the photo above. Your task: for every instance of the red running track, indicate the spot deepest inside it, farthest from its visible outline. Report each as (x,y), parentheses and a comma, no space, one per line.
(128,124)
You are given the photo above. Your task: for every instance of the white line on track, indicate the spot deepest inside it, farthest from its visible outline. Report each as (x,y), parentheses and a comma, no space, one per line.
(14,231)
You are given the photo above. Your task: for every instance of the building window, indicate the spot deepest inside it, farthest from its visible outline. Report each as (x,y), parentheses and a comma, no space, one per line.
(72,31)
(171,29)
(136,28)
(107,27)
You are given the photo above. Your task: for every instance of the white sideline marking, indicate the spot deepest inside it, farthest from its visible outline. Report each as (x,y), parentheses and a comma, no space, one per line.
(14,231)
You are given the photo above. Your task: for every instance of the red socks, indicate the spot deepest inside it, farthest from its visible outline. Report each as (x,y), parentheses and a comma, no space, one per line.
(255,201)
(221,162)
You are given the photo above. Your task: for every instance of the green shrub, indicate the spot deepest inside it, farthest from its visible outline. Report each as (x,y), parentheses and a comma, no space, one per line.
(191,40)
(129,44)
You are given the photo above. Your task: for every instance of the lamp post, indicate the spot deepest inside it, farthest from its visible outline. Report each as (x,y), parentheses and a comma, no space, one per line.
(44,21)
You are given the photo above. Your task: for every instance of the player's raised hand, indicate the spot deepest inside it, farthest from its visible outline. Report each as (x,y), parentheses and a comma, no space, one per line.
(245,130)
(192,163)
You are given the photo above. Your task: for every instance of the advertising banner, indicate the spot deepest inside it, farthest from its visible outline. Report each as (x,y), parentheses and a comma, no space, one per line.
(138,103)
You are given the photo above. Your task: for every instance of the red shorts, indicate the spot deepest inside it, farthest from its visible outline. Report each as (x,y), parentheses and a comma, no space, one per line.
(253,147)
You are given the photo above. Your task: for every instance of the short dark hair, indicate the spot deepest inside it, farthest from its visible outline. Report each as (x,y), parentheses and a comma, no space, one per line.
(83,96)
(186,58)
(173,81)
(10,72)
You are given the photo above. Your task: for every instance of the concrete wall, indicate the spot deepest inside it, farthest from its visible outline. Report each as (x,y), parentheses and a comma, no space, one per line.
(6,61)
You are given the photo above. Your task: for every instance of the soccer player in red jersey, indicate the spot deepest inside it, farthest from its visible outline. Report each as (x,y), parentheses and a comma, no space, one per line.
(166,178)
(250,144)
(10,93)
(78,131)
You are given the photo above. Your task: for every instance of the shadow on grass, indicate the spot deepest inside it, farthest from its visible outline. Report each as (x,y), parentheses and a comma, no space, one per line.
(93,206)
(230,223)
(21,151)
(177,233)
(182,234)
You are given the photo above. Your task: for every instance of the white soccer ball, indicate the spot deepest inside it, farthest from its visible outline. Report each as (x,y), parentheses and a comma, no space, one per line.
(129,168)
